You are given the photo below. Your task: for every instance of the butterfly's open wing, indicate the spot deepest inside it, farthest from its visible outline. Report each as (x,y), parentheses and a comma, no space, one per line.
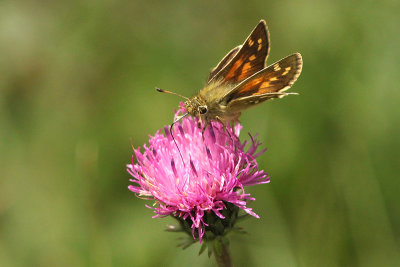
(268,83)
(245,62)
(223,62)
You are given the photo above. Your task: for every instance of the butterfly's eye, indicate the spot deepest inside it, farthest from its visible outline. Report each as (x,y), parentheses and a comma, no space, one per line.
(203,109)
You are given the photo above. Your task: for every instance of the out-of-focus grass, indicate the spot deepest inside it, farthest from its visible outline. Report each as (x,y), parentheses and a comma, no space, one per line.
(77,82)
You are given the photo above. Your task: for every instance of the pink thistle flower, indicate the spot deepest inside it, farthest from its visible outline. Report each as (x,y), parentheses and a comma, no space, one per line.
(206,175)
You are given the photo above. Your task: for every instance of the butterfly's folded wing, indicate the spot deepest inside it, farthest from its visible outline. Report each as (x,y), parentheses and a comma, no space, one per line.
(223,62)
(249,59)
(268,83)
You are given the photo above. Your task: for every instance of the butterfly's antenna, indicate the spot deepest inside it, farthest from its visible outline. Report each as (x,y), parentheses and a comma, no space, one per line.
(176,120)
(172,134)
(169,92)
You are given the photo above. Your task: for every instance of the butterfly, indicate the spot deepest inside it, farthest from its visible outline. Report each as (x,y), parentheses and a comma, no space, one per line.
(241,80)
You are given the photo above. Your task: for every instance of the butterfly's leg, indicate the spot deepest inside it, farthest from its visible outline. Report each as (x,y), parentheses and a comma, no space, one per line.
(234,121)
(220,120)
(204,129)
(199,122)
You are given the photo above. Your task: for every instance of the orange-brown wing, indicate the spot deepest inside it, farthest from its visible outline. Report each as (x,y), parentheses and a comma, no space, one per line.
(268,83)
(223,62)
(248,60)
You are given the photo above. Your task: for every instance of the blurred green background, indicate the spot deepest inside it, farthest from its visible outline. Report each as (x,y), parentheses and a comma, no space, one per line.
(77,83)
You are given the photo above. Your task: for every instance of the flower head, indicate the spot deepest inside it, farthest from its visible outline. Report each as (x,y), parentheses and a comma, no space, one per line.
(197,175)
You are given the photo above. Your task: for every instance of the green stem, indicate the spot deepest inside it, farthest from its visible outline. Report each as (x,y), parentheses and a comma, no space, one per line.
(221,253)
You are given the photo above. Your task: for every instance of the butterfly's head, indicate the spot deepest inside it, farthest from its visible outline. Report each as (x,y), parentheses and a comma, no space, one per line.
(196,107)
